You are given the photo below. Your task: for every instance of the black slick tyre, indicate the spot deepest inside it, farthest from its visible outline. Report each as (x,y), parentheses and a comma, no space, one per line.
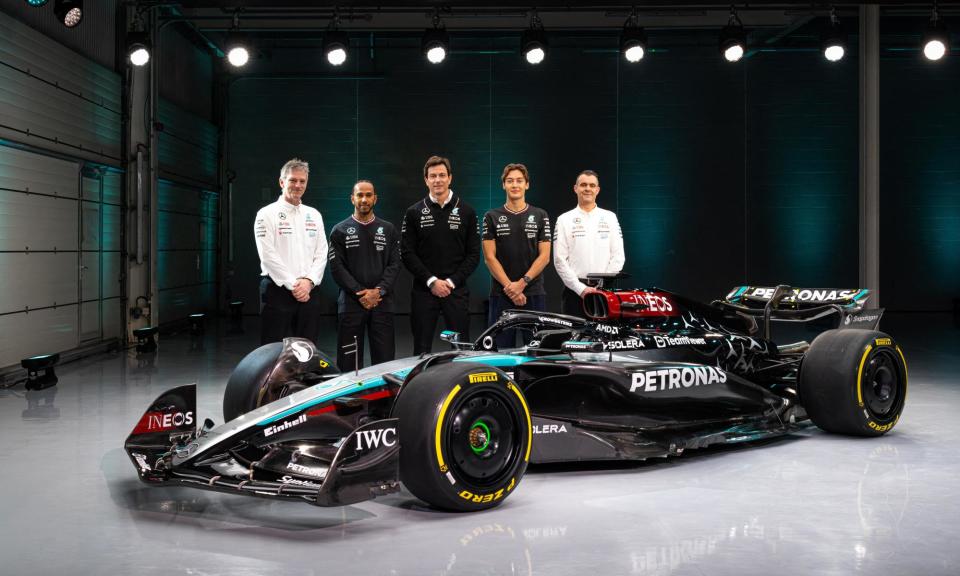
(465,436)
(854,382)
(244,391)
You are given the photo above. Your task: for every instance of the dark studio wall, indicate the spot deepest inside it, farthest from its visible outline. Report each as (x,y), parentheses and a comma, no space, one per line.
(720,174)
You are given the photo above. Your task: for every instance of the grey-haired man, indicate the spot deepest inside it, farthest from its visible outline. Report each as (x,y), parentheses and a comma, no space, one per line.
(292,246)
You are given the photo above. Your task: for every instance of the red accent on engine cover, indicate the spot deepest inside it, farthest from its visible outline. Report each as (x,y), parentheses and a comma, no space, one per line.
(607,305)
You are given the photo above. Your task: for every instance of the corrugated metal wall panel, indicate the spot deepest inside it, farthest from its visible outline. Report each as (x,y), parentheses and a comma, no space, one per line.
(52,95)
(113,187)
(188,145)
(90,277)
(32,222)
(90,189)
(177,269)
(39,332)
(110,274)
(23,48)
(110,316)
(37,280)
(94,37)
(111,227)
(178,231)
(90,232)
(30,172)
(186,73)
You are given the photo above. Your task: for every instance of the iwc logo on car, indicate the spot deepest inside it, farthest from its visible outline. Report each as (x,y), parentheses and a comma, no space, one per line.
(676,378)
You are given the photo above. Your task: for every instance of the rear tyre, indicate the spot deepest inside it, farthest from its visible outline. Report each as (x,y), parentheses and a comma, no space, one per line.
(854,382)
(465,436)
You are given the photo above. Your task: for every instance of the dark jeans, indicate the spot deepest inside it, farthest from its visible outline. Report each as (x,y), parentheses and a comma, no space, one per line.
(282,316)
(499,303)
(355,320)
(425,308)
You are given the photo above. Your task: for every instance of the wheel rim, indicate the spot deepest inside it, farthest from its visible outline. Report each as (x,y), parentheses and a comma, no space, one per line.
(483,438)
(882,388)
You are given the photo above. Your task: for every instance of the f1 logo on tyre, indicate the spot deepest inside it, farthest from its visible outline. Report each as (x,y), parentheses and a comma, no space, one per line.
(369,439)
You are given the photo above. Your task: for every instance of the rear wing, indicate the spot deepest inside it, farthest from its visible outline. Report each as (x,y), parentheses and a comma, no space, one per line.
(801,305)
(797,298)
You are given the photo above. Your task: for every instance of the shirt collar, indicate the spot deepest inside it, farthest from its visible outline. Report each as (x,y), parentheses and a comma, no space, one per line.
(286,205)
(435,201)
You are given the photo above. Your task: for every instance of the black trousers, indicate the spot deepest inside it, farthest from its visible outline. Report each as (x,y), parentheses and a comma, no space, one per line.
(425,308)
(282,316)
(377,324)
(571,303)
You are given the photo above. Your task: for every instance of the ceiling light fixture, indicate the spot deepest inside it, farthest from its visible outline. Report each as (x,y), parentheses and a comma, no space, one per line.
(936,40)
(68,12)
(633,41)
(733,39)
(436,41)
(834,42)
(533,43)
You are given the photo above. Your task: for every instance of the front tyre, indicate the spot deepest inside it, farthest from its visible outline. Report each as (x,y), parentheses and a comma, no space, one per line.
(854,382)
(465,436)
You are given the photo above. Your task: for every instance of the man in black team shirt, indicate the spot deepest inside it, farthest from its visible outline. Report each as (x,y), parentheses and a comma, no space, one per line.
(440,246)
(516,248)
(364,260)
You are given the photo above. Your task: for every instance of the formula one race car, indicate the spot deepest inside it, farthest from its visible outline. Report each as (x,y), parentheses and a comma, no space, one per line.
(646,373)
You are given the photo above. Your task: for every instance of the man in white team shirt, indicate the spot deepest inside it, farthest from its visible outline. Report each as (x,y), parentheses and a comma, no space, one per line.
(587,240)
(292,245)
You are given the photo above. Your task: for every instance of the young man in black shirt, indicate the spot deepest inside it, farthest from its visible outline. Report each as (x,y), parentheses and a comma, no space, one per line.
(440,246)
(516,248)
(364,260)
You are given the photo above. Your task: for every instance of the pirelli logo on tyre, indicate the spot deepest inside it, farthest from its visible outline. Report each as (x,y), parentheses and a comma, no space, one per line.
(883,342)
(486,498)
(483,377)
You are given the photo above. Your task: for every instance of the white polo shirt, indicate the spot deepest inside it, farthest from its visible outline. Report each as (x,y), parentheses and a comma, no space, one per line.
(586,243)
(291,243)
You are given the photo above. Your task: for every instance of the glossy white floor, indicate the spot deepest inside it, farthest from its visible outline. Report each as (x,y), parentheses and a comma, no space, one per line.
(808,504)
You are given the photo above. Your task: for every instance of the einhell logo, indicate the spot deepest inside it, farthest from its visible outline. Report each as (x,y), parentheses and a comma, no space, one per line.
(163,421)
(483,377)
(271,430)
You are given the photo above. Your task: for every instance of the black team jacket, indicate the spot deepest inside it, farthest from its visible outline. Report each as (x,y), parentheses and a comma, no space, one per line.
(442,242)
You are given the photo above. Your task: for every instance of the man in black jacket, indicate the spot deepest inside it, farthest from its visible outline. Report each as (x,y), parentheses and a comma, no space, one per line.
(364,260)
(440,245)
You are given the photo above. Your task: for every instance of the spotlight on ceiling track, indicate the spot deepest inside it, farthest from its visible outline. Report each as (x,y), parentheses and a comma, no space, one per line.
(436,41)
(733,39)
(138,48)
(533,43)
(936,40)
(335,42)
(68,12)
(633,41)
(236,47)
(834,41)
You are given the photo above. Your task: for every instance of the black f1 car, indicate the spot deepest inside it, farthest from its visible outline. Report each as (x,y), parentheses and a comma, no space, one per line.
(647,373)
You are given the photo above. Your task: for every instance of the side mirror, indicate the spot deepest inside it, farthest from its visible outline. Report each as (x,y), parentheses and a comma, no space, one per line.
(454,339)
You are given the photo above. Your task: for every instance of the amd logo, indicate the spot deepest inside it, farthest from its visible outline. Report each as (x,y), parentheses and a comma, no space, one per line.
(369,439)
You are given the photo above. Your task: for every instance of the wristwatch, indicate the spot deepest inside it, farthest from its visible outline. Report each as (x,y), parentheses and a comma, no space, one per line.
(382,292)
(527,279)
